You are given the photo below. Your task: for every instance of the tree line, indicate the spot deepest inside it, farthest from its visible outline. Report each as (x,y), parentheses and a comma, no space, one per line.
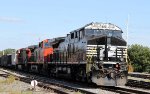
(139,57)
(7,51)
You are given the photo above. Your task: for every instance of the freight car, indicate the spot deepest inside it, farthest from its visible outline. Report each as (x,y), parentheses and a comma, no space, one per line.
(94,53)
(8,60)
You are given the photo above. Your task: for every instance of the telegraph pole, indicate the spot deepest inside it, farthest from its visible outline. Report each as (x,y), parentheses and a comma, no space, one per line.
(127,30)
(3,52)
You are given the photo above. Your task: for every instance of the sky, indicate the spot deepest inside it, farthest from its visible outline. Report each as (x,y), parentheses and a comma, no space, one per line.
(26,22)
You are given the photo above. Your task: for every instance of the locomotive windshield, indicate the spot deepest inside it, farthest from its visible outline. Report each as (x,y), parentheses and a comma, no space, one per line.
(110,40)
(96,32)
(47,45)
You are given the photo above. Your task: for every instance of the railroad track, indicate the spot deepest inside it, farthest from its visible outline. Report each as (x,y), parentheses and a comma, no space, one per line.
(125,90)
(138,83)
(139,80)
(139,75)
(45,83)
(64,87)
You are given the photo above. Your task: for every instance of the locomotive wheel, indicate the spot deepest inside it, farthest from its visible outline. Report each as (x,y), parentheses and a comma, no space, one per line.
(16,67)
(81,75)
(40,69)
(88,78)
(73,76)
(52,71)
(77,77)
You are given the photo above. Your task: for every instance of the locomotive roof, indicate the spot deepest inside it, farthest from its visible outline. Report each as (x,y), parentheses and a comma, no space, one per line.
(96,25)
(32,46)
(58,39)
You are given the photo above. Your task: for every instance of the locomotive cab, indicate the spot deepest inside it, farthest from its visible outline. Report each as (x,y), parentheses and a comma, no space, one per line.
(42,53)
(107,52)
(95,52)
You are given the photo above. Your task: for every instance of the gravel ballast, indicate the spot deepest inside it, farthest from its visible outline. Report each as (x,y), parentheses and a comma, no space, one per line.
(9,86)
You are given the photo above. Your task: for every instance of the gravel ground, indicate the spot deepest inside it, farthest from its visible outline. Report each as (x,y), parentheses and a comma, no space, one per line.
(18,87)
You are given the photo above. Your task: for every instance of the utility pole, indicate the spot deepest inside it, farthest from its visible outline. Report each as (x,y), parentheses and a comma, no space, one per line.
(130,68)
(127,30)
(39,39)
(3,52)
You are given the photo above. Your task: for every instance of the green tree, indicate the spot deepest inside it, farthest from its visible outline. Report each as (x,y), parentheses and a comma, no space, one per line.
(7,51)
(139,57)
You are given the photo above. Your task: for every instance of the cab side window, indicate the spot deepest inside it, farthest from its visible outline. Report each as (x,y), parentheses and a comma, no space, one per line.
(41,44)
(76,35)
(81,34)
(72,35)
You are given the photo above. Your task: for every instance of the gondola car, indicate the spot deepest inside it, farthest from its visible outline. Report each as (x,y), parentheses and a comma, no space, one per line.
(13,60)
(8,60)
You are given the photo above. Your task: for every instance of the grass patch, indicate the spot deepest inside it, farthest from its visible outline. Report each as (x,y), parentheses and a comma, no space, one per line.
(26,92)
(6,88)
(10,79)
(16,92)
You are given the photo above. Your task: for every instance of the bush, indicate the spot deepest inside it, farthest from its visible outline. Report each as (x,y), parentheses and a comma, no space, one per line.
(140,57)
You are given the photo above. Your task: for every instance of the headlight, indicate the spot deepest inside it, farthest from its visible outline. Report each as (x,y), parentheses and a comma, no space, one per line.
(117,66)
(109,48)
(101,58)
(121,59)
